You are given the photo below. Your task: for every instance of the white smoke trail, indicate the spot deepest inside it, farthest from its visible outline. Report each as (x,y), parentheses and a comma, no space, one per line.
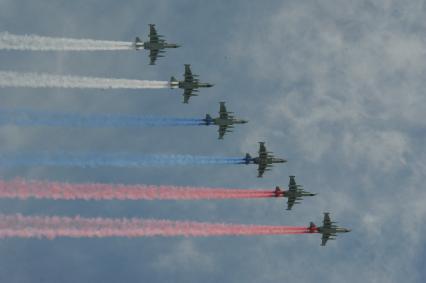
(41,43)
(41,80)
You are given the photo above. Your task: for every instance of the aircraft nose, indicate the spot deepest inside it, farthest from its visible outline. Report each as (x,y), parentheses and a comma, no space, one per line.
(210,85)
(244,121)
(348,230)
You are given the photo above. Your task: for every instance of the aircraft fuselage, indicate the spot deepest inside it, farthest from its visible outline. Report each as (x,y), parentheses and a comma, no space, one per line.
(158,46)
(325,230)
(299,193)
(191,85)
(227,122)
(267,160)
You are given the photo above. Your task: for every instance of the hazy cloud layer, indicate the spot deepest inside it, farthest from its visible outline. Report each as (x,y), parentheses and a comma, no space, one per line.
(334,87)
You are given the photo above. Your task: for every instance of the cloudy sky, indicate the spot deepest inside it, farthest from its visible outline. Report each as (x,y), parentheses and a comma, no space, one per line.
(335,87)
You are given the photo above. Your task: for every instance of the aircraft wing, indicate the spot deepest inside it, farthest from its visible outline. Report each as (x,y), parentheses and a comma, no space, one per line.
(262,149)
(223,114)
(188,73)
(261,169)
(292,186)
(187,94)
(153,35)
(153,53)
(292,182)
(324,239)
(327,221)
(290,201)
(292,191)
(222,131)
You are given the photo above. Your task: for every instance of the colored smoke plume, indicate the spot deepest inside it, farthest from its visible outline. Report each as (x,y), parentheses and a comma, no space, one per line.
(78,227)
(65,191)
(94,160)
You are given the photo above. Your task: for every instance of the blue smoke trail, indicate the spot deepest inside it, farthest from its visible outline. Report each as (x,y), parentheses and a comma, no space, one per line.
(114,160)
(30,118)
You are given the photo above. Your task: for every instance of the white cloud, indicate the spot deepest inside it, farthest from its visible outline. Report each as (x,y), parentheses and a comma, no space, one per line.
(340,79)
(185,257)
(351,92)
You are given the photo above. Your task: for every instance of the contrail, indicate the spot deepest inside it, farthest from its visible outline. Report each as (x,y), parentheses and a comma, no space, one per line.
(114,160)
(22,189)
(78,227)
(43,43)
(41,80)
(31,118)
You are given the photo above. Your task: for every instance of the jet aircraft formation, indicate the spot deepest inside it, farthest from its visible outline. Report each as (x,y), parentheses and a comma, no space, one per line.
(265,160)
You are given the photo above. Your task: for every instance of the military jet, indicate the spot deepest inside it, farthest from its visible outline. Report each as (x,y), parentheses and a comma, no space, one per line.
(155,45)
(264,160)
(329,229)
(225,121)
(294,193)
(190,84)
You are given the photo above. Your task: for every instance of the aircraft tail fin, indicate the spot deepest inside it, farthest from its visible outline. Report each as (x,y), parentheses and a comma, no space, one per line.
(174,83)
(312,227)
(278,192)
(137,44)
(208,119)
(248,158)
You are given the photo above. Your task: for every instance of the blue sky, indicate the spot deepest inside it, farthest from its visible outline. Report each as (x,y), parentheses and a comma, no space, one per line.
(335,87)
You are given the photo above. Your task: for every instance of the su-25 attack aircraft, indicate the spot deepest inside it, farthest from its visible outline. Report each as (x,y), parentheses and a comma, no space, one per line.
(329,229)
(225,121)
(190,84)
(264,160)
(155,45)
(294,194)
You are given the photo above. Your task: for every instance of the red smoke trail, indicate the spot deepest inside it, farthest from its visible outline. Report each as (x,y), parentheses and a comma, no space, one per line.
(77,227)
(54,190)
